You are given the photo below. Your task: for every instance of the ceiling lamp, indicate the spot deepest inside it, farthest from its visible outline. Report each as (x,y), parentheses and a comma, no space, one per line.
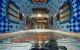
(39,15)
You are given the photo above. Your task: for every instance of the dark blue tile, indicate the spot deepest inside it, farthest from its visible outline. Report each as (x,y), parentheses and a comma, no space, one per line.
(1,1)
(74,25)
(4,26)
(1,11)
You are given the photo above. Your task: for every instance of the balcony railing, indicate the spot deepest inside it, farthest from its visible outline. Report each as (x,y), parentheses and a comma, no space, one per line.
(34,31)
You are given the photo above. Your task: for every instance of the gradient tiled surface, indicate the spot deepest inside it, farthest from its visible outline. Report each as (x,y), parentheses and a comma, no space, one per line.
(73,25)
(5,24)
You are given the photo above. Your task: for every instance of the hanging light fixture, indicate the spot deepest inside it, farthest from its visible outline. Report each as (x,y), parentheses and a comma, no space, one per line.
(39,15)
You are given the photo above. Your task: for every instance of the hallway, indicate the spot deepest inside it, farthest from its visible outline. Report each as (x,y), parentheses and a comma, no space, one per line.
(39,25)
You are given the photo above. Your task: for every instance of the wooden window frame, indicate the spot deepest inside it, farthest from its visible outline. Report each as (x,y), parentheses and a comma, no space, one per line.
(12,11)
(65,12)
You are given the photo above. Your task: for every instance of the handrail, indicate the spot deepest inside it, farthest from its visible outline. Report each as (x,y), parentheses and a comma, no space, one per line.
(12,34)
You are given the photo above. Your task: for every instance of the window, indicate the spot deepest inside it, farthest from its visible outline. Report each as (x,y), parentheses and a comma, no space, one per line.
(13,12)
(65,12)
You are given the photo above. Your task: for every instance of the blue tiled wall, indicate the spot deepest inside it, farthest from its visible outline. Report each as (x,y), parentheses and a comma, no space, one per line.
(73,25)
(5,24)
(75,21)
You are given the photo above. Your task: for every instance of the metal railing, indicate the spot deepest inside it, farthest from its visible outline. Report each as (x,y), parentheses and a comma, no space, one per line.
(34,31)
